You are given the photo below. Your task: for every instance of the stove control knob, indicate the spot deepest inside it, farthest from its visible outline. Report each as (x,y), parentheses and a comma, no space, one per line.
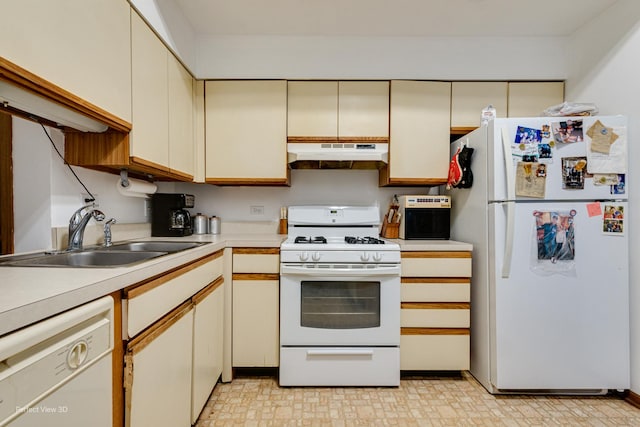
(304,256)
(364,256)
(377,257)
(315,256)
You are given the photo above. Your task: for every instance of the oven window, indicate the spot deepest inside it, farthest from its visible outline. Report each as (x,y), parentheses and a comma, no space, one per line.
(340,305)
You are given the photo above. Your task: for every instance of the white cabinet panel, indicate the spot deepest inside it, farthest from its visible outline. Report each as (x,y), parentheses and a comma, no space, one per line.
(469,98)
(363,109)
(530,99)
(181,118)
(312,109)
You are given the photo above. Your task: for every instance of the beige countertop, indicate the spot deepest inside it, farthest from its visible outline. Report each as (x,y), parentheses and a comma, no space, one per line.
(30,294)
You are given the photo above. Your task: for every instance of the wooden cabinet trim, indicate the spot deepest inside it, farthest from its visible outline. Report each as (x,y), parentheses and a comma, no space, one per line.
(267,182)
(41,87)
(204,293)
(256,251)
(437,280)
(149,284)
(255,276)
(143,339)
(434,331)
(435,254)
(436,305)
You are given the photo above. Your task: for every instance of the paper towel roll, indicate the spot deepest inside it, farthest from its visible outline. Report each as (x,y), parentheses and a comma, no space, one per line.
(136,188)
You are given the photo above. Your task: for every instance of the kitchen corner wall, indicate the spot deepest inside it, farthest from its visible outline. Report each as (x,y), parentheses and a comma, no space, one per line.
(46,193)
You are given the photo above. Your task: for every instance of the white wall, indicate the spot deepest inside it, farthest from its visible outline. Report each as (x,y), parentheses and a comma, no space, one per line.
(46,193)
(603,68)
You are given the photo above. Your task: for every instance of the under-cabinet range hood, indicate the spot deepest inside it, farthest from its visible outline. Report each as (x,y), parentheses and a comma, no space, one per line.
(337,155)
(15,99)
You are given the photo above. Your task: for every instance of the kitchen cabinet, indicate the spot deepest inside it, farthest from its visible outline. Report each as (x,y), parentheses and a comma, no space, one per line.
(173,331)
(246,139)
(255,324)
(81,46)
(530,99)
(469,98)
(163,138)
(435,310)
(420,116)
(331,111)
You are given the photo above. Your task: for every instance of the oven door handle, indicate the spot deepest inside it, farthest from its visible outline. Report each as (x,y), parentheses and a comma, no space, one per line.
(340,352)
(379,270)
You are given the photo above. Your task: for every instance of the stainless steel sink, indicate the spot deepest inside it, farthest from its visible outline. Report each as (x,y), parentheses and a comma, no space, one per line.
(89,258)
(162,246)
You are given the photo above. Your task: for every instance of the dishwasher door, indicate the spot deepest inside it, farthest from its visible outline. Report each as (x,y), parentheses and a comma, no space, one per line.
(58,372)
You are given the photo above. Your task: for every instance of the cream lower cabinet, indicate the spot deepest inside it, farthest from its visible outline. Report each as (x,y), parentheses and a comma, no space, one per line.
(172,335)
(246,132)
(420,115)
(256,302)
(435,311)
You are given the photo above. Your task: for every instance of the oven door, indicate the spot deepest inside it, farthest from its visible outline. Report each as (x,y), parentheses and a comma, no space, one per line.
(346,305)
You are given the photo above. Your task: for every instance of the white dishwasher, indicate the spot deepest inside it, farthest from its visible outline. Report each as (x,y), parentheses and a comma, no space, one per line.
(58,372)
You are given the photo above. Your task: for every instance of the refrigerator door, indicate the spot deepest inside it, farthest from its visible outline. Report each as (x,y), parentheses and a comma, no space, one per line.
(562,325)
(566,177)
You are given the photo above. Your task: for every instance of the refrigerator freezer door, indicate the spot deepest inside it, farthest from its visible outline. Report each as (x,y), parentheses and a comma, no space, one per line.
(559,331)
(557,185)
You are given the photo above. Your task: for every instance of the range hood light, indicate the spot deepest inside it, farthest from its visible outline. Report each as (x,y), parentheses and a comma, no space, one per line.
(22,100)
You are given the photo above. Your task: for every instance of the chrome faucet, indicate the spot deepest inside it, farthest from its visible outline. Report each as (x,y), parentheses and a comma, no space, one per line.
(107,232)
(77,224)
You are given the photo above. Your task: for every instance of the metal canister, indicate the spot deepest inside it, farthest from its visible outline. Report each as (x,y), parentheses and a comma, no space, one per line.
(214,225)
(200,223)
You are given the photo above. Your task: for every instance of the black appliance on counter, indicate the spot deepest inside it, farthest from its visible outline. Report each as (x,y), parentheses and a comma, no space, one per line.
(425,217)
(169,214)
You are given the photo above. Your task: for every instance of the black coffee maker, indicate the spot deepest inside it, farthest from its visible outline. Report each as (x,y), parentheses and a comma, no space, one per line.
(169,217)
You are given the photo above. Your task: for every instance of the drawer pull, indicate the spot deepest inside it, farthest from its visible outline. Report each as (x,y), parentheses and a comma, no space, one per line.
(336,352)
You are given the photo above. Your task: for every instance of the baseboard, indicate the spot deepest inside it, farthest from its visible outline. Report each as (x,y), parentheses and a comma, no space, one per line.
(634,399)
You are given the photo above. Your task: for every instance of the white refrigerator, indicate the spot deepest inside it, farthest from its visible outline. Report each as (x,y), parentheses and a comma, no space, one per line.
(547,216)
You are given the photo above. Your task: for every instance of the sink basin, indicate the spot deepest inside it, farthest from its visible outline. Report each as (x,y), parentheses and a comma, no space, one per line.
(160,246)
(90,258)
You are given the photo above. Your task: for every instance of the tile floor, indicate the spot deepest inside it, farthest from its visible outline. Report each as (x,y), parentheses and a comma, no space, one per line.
(419,401)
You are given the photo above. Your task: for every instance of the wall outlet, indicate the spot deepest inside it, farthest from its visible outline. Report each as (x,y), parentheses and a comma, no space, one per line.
(256,210)
(86,199)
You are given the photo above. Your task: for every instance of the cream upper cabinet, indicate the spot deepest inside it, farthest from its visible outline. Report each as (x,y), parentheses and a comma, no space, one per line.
(419,135)
(312,109)
(469,98)
(330,110)
(149,136)
(530,99)
(81,46)
(181,119)
(363,109)
(246,132)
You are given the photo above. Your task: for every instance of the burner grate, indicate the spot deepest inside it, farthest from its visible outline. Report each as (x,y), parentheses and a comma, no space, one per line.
(363,240)
(316,240)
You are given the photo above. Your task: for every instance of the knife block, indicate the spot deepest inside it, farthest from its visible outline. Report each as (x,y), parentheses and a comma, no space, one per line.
(390,230)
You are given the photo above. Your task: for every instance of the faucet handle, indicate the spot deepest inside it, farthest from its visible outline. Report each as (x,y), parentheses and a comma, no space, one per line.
(107,232)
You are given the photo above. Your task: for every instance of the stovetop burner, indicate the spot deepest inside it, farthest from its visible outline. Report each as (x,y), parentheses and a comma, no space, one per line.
(363,240)
(317,240)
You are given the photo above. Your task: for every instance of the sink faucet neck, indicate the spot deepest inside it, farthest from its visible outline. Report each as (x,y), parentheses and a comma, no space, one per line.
(78,223)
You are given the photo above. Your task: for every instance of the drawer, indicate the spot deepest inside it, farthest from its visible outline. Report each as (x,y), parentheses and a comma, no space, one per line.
(256,260)
(436,264)
(435,290)
(339,366)
(150,301)
(438,315)
(434,352)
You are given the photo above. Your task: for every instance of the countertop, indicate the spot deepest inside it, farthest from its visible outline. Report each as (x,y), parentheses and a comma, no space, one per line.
(30,294)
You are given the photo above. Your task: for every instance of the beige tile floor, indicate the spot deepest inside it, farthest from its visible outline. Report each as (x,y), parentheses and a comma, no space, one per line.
(419,401)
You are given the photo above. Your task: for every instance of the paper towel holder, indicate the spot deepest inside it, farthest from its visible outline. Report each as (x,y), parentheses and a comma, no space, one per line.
(124,178)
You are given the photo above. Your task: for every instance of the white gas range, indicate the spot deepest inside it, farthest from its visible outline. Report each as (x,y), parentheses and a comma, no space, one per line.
(339,299)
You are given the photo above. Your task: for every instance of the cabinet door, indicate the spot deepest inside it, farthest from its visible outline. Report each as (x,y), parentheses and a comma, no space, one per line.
(158,373)
(82,46)
(207,344)
(419,136)
(530,99)
(246,132)
(363,109)
(149,136)
(312,110)
(181,119)
(469,98)
(256,341)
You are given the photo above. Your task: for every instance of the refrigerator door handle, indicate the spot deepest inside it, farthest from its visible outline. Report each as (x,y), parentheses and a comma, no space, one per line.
(510,177)
(508,240)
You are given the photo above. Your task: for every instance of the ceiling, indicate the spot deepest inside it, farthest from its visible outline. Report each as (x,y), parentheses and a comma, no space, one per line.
(388,18)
